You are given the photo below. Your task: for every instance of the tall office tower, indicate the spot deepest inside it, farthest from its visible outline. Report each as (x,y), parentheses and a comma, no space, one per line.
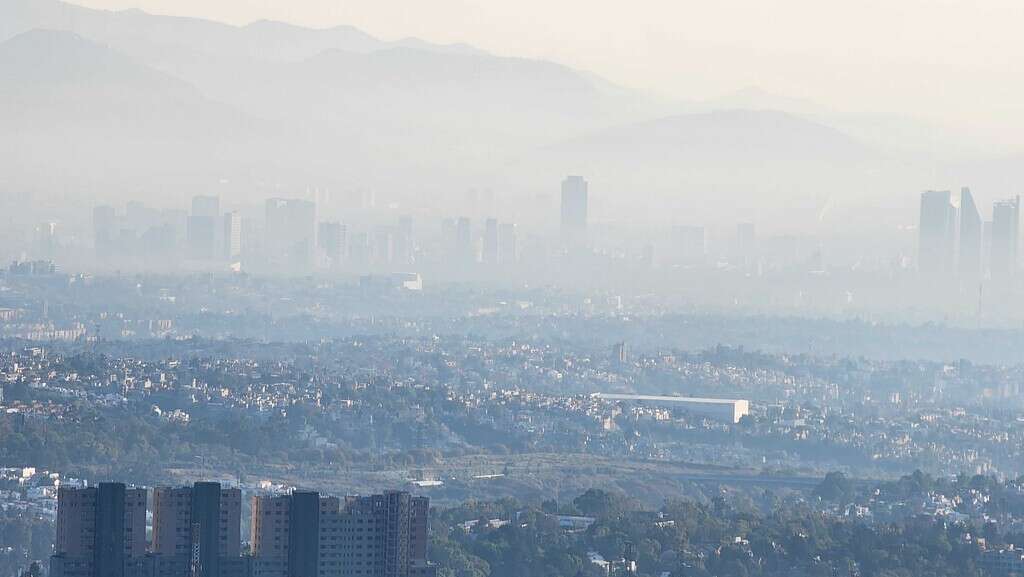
(206,206)
(690,244)
(488,204)
(405,242)
(383,245)
(1005,239)
(100,530)
(508,248)
(969,261)
(202,237)
(305,534)
(746,244)
(291,232)
(232,235)
(937,233)
(197,531)
(359,250)
(464,250)
(158,242)
(492,242)
(331,238)
(472,201)
(202,228)
(986,247)
(104,227)
(45,240)
(574,205)
(176,221)
(139,217)
(448,238)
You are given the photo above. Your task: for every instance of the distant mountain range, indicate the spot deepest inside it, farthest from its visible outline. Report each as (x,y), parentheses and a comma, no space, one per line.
(122,102)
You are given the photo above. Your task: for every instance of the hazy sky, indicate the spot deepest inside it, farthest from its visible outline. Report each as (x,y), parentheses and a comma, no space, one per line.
(958,60)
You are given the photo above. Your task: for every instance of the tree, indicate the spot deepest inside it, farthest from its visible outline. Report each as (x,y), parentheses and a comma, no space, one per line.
(600,503)
(834,487)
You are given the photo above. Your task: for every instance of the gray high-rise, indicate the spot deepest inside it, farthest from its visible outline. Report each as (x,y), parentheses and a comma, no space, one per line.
(937,233)
(1005,239)
(574,204)
(202,228)
(290,232)
(969,258)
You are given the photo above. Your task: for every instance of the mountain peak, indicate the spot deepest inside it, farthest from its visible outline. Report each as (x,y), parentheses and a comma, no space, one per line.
(62,58)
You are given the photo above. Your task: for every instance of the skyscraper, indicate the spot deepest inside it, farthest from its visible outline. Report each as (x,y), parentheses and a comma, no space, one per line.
(464,240)
(746,244)
(202,228)
(574,205)
(491,241)
(232,235)
(176,221)
(689,244)
(332,239)
(45,241)
(1005,239)
(290,232)
(384,245)
(405,242)
(969,261)
(100,530)
(104,226)
(139,217)
(508,247)
(937,233)
(206,206)
(448,238)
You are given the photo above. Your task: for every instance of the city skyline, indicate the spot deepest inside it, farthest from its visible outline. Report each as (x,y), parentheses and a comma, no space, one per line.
(486,288)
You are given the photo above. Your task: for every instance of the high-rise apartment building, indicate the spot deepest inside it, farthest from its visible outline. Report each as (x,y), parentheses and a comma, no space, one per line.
(305,534)
(197,530)
(101,531)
